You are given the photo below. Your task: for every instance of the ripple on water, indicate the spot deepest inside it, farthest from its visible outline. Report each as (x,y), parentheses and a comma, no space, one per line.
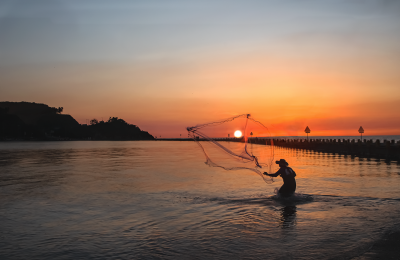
(157,200)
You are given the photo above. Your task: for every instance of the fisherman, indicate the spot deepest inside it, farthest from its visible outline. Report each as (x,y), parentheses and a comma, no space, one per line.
(287,174)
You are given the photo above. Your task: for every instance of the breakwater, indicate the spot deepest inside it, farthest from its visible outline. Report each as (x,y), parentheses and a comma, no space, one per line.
(386,149)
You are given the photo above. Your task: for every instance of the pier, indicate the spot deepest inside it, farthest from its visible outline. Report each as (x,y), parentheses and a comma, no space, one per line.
(387,149)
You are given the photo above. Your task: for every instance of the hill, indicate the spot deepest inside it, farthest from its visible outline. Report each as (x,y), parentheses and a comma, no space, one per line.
(116,129)
(36,121)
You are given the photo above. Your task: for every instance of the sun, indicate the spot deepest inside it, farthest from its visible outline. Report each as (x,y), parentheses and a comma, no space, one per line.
(238,133)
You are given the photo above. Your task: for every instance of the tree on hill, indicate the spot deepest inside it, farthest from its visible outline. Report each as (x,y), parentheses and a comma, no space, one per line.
(116,129)
(94,121)
(59,110)
(116,120)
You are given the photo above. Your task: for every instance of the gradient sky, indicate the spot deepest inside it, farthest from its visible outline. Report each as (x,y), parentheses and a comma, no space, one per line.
(165,65)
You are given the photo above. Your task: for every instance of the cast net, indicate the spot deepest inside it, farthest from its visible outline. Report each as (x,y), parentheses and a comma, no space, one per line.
(236,143)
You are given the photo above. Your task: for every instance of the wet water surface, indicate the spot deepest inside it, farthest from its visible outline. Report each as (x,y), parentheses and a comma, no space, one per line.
(158,200)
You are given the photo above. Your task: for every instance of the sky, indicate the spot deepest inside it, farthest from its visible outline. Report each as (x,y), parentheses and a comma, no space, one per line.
(164,65)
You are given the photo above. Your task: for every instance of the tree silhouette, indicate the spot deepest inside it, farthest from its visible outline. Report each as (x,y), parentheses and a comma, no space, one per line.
(59,110)
(116,120)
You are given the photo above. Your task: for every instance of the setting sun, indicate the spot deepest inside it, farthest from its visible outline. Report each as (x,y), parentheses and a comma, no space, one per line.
(238,134)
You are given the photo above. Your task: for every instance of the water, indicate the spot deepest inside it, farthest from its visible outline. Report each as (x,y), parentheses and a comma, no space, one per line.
(158,200)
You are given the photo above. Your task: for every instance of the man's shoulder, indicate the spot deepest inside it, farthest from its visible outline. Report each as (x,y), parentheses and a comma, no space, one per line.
(290,171)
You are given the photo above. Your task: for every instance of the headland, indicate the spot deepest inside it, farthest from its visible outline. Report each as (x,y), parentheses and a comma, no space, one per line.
(24,121)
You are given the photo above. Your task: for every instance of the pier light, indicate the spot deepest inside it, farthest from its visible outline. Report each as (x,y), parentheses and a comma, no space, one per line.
(307,131)
(361,131)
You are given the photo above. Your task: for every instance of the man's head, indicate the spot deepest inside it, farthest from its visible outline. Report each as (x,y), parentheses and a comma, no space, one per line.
(282,163)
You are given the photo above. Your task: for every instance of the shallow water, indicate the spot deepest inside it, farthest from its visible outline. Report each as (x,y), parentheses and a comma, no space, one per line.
(158,200)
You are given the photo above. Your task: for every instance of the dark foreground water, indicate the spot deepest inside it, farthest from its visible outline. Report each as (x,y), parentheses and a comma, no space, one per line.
(158,200)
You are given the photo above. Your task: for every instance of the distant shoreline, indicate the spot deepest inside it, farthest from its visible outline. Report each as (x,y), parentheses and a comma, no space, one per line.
(367,137)
(30,121)
(71,140)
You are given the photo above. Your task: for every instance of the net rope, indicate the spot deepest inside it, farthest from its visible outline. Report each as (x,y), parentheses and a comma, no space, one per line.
(237,153)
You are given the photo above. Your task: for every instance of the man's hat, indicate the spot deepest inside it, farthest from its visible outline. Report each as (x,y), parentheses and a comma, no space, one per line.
(282,162)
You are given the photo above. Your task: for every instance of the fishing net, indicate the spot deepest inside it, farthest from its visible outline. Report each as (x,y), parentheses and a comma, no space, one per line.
(236,143)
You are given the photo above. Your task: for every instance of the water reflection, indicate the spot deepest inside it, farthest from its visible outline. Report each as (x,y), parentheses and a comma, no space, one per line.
(143,200)
(288,216)
(30,169)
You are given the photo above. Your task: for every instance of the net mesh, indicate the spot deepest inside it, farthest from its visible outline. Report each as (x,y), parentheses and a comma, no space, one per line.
(236,143)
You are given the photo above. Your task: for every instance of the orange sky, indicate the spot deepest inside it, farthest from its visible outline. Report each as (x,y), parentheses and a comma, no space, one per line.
(332,66)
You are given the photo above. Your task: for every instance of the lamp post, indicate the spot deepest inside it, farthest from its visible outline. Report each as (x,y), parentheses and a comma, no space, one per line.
(307,131)
(251,134)
(361,131)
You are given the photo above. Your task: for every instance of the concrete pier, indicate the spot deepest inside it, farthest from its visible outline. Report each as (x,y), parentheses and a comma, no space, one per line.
(388,150)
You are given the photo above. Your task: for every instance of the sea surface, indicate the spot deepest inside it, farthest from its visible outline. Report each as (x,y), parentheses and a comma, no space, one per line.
(159,200)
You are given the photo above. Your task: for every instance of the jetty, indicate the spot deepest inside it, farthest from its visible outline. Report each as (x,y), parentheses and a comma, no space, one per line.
(387,149)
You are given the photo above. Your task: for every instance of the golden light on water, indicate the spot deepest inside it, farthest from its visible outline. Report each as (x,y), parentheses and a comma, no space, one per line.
(238,133)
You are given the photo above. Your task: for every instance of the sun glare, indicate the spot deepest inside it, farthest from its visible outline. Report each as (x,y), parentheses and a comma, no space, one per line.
(238,134)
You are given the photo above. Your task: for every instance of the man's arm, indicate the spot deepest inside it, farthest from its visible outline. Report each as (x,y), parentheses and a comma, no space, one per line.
(272,175)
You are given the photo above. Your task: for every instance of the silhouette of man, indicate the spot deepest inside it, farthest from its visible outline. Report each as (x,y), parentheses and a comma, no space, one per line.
(287,174)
